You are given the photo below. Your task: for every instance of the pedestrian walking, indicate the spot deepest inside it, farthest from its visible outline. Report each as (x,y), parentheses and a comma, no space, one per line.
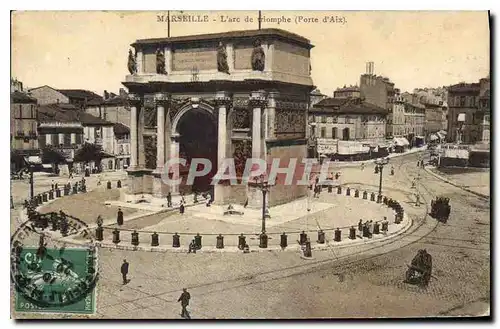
(169,200)
(362,166)
(184,299)
(52,185)
(124,271)
(181,208)
(360,227)
(99,220)
(119,217)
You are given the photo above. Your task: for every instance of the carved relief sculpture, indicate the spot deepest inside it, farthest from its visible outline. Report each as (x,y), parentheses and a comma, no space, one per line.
(241,118)
(258,57)
(132,65)
(222,65)
(242,152)
(160,62)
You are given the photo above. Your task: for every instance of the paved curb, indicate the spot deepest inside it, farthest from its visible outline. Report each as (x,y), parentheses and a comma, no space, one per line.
(406,224)
(340,164)
(455,184)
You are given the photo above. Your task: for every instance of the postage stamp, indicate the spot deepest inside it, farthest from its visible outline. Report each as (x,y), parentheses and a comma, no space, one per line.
(54,272)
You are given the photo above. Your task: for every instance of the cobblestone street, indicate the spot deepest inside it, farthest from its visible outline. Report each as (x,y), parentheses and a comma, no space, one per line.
(359,281)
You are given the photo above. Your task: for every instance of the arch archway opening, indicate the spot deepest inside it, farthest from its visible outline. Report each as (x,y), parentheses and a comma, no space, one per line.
(197,130)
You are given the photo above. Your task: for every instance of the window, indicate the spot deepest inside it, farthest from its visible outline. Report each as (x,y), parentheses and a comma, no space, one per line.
(67,139)
(323,132)
(78,139)
(334,132)
(323,119)
(335,119)
(54,139)
(345,134)
(110,164)
(348,119)
(312,118)
(17,112)
(462,100)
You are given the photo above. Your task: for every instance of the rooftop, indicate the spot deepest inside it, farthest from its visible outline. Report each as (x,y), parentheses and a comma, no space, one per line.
(347,106)
(79,93)
(464,87)
(263,33)
(68,113)
(19,97)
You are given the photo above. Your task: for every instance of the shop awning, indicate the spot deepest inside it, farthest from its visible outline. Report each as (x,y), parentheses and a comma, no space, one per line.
(401,141)
(420,137)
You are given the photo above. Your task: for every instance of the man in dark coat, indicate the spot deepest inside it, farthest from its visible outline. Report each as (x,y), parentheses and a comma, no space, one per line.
(124,270)
(119,217)
(169,200)
(184,299)
(181,208)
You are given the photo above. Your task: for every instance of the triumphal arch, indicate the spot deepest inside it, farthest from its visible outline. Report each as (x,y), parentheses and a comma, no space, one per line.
(239,94)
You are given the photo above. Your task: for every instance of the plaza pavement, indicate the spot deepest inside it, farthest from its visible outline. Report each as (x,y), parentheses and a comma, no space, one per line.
(476,180)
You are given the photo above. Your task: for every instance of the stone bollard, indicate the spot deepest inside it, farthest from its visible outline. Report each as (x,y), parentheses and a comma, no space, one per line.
(44,197)
(220,242)
(352,233)
(197,241)
(372,196)
(376,228)
(58,193)
(99,233)
(263,240)
(365,195)
(302,238)
(155,240)
(321,237)
(348,191)
(397,218)
(66,190)
(119,184)
(108,185)
(385,226)
(135,238)
(337,237)
(176,241)
(75,189)
(330,188)
(116,236)
(51,195)
(242,241)
(283,240)
(356,193)
(379,198)
(339,190)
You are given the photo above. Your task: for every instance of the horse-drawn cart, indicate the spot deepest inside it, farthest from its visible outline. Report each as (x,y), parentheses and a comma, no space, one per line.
(440,209)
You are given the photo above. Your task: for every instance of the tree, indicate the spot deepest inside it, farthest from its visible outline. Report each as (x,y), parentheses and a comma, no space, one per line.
(52,155)
(89,152)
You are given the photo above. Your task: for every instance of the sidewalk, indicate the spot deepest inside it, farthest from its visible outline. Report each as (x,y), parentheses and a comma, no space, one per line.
(481,187)
(340,164)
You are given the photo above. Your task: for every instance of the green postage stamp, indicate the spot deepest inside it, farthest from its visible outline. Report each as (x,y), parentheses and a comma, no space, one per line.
(55,280)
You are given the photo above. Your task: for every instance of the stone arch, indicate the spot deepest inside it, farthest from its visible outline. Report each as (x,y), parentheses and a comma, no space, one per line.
(188,107)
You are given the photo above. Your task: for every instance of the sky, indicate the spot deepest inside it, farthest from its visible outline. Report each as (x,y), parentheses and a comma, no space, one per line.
(88,49)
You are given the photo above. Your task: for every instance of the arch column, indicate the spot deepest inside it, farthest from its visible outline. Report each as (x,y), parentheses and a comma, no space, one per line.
(222,102)
(161,102)
(134,101)
(257,102)
(174,154)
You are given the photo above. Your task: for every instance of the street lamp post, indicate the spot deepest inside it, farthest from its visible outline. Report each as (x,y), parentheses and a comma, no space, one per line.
(30,163)
(264,186)
(380,163)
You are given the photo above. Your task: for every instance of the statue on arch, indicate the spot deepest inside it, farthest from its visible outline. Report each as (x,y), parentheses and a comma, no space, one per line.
(132,65)
(222,65)
(160,62)
(258,56)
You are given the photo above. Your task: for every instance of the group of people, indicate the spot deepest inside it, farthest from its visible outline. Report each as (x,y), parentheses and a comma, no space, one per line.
(365,229)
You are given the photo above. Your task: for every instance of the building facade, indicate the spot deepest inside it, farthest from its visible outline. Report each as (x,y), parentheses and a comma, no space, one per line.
(396,117)
(240,95)
(122,146)
(465,98)
(23,123)
(347,92)
(80,98)
(335,120)
(414,119)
